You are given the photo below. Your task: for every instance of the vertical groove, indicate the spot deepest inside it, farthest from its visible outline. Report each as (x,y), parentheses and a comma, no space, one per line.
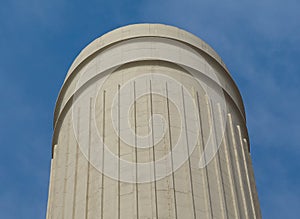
(252,183)
(171,150)
(232,159)
(220,174)
(188,153)
(238,165)
(153,150)
(229,165)
(89,164)
(204,156)
(136,161)
(66,171)
(214,159)
(76,164)
(119,128)
(103,137)
(246,171)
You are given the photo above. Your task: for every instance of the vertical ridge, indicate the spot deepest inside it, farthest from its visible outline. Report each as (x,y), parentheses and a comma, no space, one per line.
(136,165)
(76,164)
(66,171)
(253,185)
(229,165)
(171,150)
(153,150)
(219,169)
(246,171)
(119,123)
(213,170)
(48,214)
(188,154)
(89,163)
(238,165)
(204,156)
(103,137)
(52,181)
(233,163)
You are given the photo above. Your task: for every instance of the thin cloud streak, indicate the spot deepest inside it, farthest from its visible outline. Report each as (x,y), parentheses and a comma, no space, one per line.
(259,43)
(258,40)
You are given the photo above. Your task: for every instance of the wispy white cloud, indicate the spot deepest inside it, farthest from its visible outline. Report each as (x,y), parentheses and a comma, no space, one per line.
(259,42)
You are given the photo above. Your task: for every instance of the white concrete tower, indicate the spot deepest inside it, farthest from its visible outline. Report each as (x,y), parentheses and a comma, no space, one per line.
(150,124)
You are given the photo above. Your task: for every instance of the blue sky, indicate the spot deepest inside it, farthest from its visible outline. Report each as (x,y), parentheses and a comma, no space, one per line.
(258,40)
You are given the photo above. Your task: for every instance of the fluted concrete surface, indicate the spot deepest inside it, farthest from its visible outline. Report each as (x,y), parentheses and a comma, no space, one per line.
(150,124)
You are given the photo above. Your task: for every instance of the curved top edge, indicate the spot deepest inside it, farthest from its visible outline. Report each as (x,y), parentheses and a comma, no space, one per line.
(143,30)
